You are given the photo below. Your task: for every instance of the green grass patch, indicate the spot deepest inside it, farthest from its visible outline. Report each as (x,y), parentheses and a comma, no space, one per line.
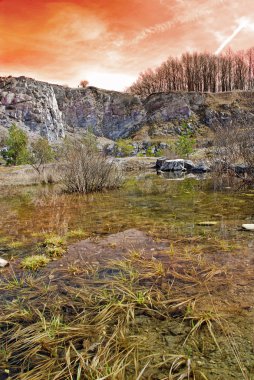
(35,262)
(55,246)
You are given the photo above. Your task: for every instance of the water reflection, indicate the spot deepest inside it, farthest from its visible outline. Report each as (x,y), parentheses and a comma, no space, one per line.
(148,202)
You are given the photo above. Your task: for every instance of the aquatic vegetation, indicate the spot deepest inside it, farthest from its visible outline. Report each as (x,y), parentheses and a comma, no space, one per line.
(55,246)
(109,321)
(172,313)
(54,240)
(78,233)
(54,251)
(3,239)
(15,244)
(35,262)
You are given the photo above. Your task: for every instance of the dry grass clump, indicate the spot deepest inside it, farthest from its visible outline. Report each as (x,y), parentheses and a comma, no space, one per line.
(87,171)
(109,322)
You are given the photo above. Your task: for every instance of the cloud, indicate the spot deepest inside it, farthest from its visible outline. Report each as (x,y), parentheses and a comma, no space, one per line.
(109,43)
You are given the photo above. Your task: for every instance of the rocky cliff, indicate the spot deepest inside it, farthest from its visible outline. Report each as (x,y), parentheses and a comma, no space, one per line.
(53,110)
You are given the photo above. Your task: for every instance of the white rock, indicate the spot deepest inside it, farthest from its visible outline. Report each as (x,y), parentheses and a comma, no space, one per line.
(3,263)
(173,165)
(248,227)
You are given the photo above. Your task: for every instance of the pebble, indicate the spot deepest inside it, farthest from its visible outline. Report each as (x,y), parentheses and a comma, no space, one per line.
(3,263)
(248,227)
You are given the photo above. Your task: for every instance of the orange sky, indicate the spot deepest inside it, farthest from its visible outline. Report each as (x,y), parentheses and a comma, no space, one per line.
(108,42)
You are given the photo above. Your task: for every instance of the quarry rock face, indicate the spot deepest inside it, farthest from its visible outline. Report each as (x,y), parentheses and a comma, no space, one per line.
(53,111)
(32,105)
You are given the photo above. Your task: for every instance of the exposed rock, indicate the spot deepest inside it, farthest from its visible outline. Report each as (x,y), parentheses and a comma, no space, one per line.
(189,165)
(52,110)
(201,168)
(160,161)
(3,263)
(241,168)
(181,165)
(135,148)
(248,227)
(173,165)
(163,107)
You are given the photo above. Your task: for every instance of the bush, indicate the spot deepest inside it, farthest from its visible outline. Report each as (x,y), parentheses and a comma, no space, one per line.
(17,147)
(234,153)
(124,147)
(185,143)
(41,153)
(3,136)
(90,140)
(86,170)
(153,151)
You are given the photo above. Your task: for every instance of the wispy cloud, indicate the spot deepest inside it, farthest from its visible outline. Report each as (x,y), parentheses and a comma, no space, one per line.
(110,42)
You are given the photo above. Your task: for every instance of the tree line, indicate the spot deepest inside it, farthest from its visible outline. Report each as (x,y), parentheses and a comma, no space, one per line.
(204,72)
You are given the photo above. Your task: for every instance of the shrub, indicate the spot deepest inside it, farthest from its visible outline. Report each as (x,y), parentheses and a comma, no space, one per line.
(17,147)
(90,140)
(41,153)
(86,170)
(234,153)
(152,151)
(185,143)
(3,136)
(124,147)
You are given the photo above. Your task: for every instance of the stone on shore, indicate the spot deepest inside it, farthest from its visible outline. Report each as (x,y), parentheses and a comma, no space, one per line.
(3,263)
(173,165)
(248,227)
(180,164)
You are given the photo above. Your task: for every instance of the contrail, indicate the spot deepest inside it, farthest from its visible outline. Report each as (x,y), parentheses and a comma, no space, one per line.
(242,25)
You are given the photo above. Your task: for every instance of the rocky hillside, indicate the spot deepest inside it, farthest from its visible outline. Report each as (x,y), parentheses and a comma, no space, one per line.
(53,110)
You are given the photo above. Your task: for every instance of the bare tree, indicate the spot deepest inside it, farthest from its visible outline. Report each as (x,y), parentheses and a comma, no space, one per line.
(204,72)
(84,83)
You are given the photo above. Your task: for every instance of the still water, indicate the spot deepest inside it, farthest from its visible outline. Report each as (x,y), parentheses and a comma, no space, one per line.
(162,207)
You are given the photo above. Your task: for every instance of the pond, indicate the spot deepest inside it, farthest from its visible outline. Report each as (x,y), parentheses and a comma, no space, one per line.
(162,288)
(148,202)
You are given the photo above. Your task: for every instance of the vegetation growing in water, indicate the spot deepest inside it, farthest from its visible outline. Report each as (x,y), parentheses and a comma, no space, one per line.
(55,246)
(139,317)
(35,262)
